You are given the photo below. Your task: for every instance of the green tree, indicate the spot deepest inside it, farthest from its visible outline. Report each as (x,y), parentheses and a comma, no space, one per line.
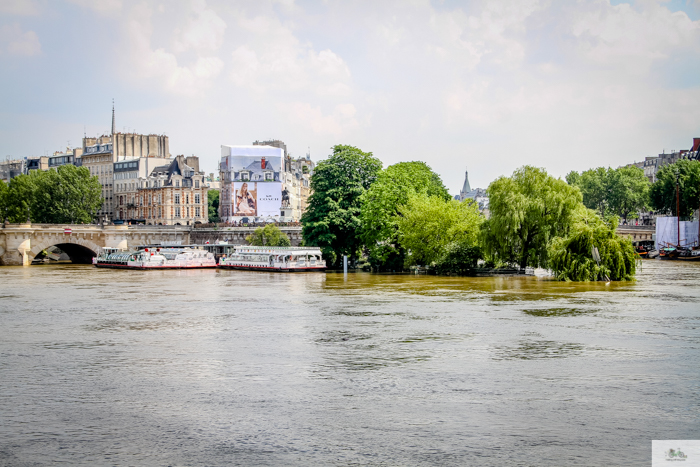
(213,200)
(68,194)
(430,226)
(3,200)
(64,195)
(663,191)
(622,192)
(629,192)
(270,235)
(573,177)
(528,210)
(20,197)
(332,217)
(571,257)
(381,209)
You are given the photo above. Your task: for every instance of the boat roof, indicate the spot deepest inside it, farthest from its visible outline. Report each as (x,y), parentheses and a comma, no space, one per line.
(279,250)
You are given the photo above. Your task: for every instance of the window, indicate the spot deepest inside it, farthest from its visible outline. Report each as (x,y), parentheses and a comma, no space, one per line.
(188,211)
(177,212)
(245,176)
(196,211)
(177,200)
(187,199)
(177,183)
(268,176)
(196,198)
(196,183)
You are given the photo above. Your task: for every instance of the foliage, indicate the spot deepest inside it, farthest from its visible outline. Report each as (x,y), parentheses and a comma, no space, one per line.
(3,200)
(528,210)
(459,258)
(213,200)
(270,235)
(663,191)
(64,195)
(571,257)
(429,227)
(381,205)
(332,217)
(623,191)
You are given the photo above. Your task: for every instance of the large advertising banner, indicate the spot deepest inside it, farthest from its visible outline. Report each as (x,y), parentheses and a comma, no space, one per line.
(245,199)
(269,199)
(252,163)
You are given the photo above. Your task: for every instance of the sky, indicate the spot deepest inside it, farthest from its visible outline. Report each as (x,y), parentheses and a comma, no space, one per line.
(487,86)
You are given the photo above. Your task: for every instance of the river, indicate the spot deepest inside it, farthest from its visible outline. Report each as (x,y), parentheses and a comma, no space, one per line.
(204,367)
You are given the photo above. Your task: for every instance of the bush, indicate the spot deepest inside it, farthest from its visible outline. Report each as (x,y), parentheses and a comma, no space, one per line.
(572,257)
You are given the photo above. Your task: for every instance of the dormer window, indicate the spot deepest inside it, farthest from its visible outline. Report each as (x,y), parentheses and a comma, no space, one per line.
(245,175)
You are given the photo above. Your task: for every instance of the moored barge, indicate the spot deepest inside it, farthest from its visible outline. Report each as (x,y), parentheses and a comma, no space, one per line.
(276,259)
(156,258)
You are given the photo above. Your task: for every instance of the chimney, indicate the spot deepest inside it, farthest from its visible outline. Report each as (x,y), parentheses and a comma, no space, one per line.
(696,144)
(262,163)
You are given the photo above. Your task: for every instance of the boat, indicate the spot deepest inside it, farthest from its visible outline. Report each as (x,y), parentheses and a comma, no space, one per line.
(274,258)
(184,257)
(689,255)
(644,248)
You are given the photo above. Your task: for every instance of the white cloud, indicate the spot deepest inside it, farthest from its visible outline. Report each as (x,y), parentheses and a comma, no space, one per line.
(15,41)
(272,59)
(163,66)
(206,32)
(19,7)
(100,6)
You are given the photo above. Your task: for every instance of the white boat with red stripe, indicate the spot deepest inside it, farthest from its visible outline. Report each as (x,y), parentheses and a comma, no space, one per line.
(274,258)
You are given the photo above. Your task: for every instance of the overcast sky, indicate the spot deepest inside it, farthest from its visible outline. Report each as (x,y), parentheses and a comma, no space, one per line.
(487,85)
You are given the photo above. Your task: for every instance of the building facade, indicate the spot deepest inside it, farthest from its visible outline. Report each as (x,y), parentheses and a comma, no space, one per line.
(263,181)
(173,194)
(100,155)
(10,168)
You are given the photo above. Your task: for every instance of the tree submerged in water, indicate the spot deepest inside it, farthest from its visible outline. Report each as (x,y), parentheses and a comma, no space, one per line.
(571,257)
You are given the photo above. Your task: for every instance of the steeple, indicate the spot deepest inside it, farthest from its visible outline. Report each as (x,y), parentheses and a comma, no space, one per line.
(113,118)
(466,188)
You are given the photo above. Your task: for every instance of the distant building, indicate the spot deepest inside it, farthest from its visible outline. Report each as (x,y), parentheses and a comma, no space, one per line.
(101,153)
(127,176)
(173,194)
(478,195)
(652,164)
(69,156)
(212,183)
(263,181)
(37,163)
(10,168)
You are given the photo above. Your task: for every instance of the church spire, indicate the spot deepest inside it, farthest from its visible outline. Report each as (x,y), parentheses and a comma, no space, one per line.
(466,188)
(113,117)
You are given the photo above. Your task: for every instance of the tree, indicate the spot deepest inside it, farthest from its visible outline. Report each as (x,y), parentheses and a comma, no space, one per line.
(430,226)
(527,211)
(332,217)
(3,200)
(663,191)
(64,195)
(381,209)
(68,194)
(20,197)
(270,235)
(622,192)
(213,199)
(629,191)
(571,257)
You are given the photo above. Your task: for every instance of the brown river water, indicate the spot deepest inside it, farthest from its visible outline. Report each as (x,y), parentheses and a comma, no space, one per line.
(206,367)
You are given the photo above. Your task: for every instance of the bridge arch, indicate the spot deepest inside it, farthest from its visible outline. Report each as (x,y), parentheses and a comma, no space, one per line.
(80,250)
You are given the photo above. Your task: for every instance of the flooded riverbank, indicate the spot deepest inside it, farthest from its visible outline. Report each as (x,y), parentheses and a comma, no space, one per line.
(109,367)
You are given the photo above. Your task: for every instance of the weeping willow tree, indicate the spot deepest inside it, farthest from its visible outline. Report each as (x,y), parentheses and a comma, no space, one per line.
(571,257)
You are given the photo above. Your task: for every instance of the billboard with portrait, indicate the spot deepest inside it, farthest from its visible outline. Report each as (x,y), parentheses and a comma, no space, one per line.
(245,199)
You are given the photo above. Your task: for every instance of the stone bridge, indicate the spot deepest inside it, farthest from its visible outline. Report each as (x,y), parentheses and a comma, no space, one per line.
(20,243)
